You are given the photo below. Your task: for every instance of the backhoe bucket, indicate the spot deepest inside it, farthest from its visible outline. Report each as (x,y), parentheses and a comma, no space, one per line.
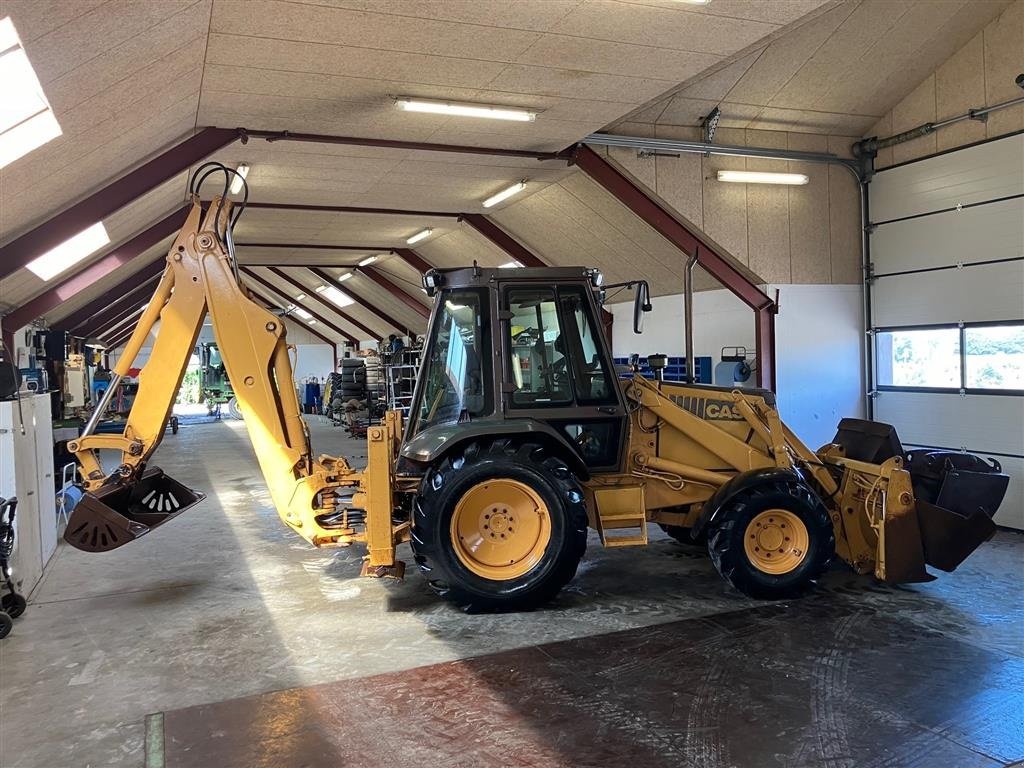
(119,513)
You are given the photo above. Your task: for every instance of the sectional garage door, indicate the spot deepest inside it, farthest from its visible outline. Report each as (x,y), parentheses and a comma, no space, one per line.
(947,299)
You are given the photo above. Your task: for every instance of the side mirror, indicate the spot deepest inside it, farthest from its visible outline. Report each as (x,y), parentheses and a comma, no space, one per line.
(641,305)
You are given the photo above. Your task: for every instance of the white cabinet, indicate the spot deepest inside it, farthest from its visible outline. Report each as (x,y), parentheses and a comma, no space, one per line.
(26,471)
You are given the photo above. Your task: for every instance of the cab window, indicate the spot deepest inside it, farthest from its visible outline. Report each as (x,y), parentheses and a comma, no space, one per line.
(539,364)
(593,380)
(455,373)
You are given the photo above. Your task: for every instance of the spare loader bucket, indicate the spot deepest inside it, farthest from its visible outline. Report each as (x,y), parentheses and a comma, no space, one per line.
(115,514)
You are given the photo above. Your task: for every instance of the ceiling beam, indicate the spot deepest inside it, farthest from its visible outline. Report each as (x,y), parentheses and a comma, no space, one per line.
(503,240)
(327,278)
(112,312)
(117,340)
(378,277)
(413,259)
(691,243)
(142,279)
(83,279)
(352,209)
(408,255)
(275,291)
(314,247)
(114,196)
(116,323)
(331,307)
(321,138)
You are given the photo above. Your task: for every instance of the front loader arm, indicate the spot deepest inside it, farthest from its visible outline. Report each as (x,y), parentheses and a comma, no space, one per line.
(310,496)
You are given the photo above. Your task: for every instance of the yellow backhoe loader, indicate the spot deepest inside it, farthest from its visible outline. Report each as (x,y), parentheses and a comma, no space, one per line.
(521,436)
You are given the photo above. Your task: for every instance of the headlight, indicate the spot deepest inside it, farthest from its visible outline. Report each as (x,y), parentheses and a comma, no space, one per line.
(596,278)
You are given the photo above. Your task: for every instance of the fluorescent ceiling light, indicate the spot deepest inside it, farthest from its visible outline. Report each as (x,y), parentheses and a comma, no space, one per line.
(367,261)
(336,296)
(505,194)
(298,311)
(510,265)
(465,110)
(236,181)
(26,121)
(70,252)
(312,322)
(344,277)
(419,236)
(762,177)
(300,297)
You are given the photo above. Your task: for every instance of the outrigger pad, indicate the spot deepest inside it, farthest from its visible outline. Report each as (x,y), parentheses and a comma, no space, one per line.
(119,513)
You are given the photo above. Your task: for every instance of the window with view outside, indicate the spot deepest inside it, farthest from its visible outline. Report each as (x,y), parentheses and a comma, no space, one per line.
(456,368)
(994,356)
(919,358)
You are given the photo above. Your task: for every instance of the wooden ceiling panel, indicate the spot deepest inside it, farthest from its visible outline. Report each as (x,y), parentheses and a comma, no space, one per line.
(350,62)
(460,248)
(677,28)
(834,72)
(367,30)
(779,12)
(535,15)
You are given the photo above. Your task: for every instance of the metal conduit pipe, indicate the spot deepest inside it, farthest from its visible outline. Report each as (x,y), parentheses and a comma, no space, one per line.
(870,147)
(688,314)
(705,148)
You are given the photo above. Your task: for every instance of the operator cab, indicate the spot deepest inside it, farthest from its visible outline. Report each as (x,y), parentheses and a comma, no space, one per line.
(521,345)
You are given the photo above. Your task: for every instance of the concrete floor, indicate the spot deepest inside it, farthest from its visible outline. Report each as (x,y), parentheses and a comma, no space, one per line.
(225,602)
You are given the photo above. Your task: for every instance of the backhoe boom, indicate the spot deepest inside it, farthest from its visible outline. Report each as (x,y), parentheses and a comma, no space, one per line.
(313,497)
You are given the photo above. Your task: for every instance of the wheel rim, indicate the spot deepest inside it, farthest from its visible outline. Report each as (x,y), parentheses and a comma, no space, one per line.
(500,529)
(776,541)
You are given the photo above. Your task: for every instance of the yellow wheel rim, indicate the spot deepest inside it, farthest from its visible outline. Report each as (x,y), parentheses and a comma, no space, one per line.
(500,529)
(776,541)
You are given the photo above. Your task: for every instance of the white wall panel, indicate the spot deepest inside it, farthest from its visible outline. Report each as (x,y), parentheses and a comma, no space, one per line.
(975,174)
(975,422)
(978,423)
(983,233)
(972,294)
(819,356)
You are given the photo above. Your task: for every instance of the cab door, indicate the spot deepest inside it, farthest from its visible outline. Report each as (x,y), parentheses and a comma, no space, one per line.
(558,369)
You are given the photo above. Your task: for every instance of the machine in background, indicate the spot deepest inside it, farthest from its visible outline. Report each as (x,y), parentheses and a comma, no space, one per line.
(214,384)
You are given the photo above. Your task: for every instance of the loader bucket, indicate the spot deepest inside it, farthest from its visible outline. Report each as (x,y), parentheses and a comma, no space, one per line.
(118,513)
(960,520)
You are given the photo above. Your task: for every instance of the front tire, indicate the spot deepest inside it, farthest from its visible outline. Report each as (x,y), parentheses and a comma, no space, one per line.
(501,527)
(772,541)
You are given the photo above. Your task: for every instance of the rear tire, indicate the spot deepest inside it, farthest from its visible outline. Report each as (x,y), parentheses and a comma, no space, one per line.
(6,625)
(13,604)
(772,541)
(522,489)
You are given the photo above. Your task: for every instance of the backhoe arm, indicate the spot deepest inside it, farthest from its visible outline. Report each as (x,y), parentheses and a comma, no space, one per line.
(314,498)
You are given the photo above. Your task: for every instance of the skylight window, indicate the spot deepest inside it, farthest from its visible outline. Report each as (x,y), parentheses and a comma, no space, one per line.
(70,252)
(333,294)
(26,120)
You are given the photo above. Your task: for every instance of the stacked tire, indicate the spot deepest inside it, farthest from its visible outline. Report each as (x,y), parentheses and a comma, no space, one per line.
(353,379)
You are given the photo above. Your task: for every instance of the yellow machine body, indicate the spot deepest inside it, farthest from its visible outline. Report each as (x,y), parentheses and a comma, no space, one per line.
(683,445)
